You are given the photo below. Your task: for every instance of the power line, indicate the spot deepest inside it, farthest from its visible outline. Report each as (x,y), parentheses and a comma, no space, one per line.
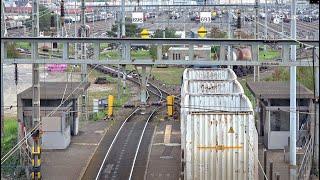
(28,135)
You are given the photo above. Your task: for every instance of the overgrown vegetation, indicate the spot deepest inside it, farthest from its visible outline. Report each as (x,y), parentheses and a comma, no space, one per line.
(12,51)
(140,54)
(132,30)
(167,33)
(7,142)
(216,32)
(269,54)
(105,93)
(304,76)
(44,19)
(169,76)
(247,92)
(24,45)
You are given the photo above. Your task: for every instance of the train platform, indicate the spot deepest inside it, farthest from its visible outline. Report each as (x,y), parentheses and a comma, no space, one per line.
(164,158)
(69,163)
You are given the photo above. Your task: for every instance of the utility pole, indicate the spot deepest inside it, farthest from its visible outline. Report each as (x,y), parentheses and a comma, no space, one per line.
(123,51)
(36,153)
(123,15)
(266,23)
(84,68)
(229,35)
(62,18)
(256,68)
(316,136)
(3,24)
(293,100)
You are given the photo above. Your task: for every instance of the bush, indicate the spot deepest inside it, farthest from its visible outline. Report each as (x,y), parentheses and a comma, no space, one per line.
(98,116)
(8,141)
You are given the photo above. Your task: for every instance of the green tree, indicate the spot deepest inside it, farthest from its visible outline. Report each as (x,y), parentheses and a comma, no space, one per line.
(159,33)
(44,19)
(131,30)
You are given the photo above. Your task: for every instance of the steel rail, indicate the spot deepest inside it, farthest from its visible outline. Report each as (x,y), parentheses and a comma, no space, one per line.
(140,140)
(113,141)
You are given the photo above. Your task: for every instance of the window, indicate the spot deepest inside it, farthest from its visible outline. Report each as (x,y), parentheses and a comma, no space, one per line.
(279,121)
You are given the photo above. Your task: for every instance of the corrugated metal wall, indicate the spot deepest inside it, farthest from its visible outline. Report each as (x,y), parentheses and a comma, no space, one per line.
(218,133)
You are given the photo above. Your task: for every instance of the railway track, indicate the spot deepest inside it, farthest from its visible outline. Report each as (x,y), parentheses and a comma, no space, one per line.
(125,158)
(127,149)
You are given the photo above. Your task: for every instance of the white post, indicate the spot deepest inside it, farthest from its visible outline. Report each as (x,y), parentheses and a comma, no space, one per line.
(266,23)
(316,136)
(2,55)
(293,108)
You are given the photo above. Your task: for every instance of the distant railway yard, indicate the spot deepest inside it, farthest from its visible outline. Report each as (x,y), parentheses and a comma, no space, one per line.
(188,90)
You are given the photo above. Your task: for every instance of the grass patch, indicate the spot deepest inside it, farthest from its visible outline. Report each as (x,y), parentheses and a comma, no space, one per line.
(304,76)
(98,116)
(104,94)
(269,54)
(110,55)
(140,54)
(24,45)
(247,92)
(8,141)
(170,75)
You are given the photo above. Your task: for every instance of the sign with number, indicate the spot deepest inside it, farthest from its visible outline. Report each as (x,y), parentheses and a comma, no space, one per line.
(137,17)
(205,17)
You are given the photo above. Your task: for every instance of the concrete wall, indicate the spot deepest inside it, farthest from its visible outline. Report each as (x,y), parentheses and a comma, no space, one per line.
(56,139)
(278,139)
(199,53)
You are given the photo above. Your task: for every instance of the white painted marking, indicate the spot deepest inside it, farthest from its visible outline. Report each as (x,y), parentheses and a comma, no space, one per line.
(167,134)
(86,144)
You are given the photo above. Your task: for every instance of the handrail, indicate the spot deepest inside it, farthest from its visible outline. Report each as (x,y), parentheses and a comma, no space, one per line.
(306,158)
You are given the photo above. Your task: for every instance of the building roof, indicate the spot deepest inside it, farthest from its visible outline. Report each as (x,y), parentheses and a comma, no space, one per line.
(55,90)
(277,90)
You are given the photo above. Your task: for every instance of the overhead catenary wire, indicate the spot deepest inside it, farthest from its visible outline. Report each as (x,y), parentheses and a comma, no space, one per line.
(269,28)
(28,135)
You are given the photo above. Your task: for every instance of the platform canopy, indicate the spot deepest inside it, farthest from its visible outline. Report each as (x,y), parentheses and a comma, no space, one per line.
(57,90)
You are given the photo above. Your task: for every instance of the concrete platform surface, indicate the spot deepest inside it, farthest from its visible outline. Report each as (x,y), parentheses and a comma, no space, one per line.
(165,156)
(68,164)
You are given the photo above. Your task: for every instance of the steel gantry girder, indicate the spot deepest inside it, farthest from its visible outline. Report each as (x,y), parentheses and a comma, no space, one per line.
(165,41)
(130,42)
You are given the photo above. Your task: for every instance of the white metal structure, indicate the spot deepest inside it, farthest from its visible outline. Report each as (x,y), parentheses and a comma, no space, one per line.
(218,134)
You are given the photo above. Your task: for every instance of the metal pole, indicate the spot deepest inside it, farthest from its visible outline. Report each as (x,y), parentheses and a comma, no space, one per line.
(256,68)
(125,47)
(143,95)
(35,85)
(84,69)
(62,18)
(2,97)
(293,108)
(229,35)
(266,23)
(123,28)
(316,136)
